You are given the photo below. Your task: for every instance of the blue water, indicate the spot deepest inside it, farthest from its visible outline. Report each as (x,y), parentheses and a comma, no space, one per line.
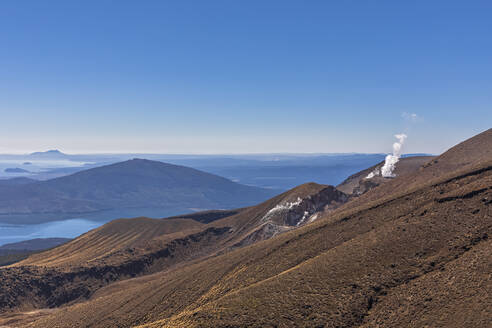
(35,166)
(15,228)
(11,233)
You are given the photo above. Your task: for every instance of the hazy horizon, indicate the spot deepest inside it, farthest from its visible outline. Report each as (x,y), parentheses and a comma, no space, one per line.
(27,153)
(381,145)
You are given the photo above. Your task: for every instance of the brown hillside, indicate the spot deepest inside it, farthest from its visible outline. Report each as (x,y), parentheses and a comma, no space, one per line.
(117,237)
(340,271)
(126,248)
(411,252)
(112,237)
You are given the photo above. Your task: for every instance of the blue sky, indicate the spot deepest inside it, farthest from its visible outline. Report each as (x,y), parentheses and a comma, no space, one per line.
(243,76)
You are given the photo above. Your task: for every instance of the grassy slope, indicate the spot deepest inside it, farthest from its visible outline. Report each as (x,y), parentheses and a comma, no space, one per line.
(109,243)
(412,252)
(109,239)
(336,271)
(123,249)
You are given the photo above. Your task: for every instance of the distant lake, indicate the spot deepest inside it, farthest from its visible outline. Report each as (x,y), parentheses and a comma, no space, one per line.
(15,228)
(11,233)
(35,166)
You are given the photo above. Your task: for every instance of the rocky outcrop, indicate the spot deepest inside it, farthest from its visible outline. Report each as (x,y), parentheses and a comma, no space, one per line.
(303,210)
(288,215)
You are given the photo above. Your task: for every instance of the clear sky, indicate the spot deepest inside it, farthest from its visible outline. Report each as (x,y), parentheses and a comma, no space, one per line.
(243,76)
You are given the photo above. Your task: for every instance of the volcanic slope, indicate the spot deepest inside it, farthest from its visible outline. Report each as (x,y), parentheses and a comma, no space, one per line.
(359,183)
(467,155)
(127,248)
(108,243)
(105,242)
(412,252)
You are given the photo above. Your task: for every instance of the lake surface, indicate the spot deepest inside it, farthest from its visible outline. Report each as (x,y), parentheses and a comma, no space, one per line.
(11,233)
(35,167)
(15,228)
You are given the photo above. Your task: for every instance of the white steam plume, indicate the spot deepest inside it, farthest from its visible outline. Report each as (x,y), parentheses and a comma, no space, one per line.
(391,160)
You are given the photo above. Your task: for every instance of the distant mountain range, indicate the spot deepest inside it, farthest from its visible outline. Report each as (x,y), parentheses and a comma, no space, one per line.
(135,183)
(272,171)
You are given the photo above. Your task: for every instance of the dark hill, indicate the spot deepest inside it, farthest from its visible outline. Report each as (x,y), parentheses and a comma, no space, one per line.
(16,181)
(132,184)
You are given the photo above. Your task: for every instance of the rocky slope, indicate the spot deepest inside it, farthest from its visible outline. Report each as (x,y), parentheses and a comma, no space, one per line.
(127,248)
(359,183)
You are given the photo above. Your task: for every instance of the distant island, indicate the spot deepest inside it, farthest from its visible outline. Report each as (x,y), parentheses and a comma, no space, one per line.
(53,153)
(15,170)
